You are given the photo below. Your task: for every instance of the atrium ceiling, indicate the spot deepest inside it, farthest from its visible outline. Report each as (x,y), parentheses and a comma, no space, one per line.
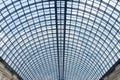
(60,39)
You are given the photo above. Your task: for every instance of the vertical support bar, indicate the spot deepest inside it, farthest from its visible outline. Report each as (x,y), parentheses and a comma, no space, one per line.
(57,38)
(64,36)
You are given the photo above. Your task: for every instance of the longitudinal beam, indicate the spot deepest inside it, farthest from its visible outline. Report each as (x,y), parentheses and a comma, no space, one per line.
(64,35)
(57,39)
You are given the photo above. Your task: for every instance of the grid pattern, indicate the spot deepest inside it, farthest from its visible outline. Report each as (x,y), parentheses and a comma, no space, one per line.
(60,39)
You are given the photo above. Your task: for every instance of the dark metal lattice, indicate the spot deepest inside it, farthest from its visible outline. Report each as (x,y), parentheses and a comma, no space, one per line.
(60,39)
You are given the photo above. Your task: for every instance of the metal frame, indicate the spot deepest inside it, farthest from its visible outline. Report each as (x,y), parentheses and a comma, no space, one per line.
(60,39)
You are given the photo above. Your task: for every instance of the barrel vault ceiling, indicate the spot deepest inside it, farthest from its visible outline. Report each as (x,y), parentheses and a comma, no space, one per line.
(60,39)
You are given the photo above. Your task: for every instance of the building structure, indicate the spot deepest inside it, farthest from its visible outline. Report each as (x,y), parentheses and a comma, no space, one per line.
(60,39)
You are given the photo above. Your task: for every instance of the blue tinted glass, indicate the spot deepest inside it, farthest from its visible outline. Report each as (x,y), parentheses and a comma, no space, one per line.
(60,39)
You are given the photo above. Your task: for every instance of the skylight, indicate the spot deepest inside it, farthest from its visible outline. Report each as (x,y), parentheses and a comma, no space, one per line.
(60,39)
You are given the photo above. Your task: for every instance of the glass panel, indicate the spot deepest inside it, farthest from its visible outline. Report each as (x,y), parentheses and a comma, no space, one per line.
(60,40)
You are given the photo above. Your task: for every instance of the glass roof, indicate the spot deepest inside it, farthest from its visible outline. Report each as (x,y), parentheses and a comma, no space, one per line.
(60,39)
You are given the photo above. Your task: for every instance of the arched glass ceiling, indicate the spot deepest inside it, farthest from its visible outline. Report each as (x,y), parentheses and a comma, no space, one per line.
(60,39)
